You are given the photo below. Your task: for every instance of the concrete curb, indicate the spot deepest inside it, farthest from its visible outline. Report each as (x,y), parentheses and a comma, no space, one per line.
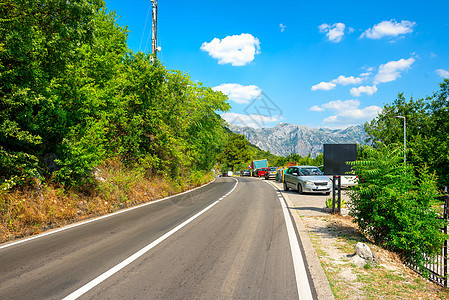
(319,279)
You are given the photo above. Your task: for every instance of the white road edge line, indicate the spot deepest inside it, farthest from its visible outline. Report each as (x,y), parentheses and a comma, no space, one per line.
(88,286)
(302,281)
(98,218)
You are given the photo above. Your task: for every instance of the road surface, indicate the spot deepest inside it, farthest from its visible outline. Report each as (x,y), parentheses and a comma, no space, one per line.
(226,240)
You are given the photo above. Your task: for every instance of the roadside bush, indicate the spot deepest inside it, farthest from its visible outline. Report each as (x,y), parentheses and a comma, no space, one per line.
(329,203)
(392,204)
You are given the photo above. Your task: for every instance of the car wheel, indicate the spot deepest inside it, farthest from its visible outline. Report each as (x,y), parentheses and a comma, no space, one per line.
(285,186)
(299,188)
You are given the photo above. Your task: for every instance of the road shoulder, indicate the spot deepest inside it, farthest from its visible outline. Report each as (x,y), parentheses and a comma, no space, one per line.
(319,278)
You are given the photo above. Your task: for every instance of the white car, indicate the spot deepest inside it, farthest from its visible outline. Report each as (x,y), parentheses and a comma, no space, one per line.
(347,180)
(307,179)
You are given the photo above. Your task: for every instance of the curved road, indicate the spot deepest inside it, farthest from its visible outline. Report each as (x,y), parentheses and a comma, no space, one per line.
(226,240)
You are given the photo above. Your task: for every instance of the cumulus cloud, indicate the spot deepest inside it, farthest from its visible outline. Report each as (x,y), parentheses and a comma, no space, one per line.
(369,90)
(442,73)
(391,70)
(388,29)
(339,105)
(348,112)
(325,86)
(237,50)
(316,108)
(239,93)
(347,80)
(333,32)
(251,120)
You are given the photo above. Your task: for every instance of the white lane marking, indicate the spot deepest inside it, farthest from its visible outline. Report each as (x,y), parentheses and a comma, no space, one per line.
(88,286)
(98,218)
(302,281)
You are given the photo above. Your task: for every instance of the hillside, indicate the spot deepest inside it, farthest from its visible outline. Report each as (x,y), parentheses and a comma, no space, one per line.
(285,138)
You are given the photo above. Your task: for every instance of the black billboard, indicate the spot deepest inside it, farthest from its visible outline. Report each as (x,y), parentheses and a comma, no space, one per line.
(335,158)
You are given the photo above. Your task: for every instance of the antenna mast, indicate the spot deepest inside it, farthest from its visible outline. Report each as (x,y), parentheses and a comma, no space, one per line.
(154,27)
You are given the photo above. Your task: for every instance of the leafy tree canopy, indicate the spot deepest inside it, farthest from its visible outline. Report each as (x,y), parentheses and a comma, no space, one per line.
(73,95)
(427,130)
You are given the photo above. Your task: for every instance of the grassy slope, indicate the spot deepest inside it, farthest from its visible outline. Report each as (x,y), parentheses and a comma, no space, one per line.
(33,210)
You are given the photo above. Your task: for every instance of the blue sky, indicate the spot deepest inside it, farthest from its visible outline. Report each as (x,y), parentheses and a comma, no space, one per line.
(314,63)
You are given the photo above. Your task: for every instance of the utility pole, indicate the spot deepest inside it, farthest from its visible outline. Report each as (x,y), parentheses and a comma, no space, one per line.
(154,47)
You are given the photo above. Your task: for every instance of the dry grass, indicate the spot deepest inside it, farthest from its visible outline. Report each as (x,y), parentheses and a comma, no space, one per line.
(42,207)
(334,238)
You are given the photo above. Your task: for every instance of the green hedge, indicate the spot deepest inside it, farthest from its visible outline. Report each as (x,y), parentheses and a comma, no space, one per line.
(392,204)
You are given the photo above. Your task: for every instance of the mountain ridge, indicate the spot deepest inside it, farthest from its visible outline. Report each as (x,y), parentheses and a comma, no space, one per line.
(285,138)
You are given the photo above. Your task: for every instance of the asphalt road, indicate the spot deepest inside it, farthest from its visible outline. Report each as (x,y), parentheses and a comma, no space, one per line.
(221,241)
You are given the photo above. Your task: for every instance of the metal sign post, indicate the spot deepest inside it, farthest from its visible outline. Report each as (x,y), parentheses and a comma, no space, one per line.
(336,184)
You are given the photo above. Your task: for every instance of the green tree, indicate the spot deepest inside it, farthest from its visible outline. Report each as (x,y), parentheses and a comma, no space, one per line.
(427,130)
(393,206)
(71,87)
(236,152)
(37,41)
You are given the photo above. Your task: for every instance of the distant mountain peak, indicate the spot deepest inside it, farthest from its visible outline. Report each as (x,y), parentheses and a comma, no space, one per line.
(285,138)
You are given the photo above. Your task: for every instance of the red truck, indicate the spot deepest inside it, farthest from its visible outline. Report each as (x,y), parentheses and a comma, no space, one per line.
(259,167)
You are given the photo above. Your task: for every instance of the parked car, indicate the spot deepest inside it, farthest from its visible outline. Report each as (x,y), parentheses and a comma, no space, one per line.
(245,173)
(261,172)
(307,179)
(270,173)
(227,174)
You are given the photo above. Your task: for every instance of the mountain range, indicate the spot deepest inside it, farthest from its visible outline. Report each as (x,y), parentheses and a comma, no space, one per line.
(285,138)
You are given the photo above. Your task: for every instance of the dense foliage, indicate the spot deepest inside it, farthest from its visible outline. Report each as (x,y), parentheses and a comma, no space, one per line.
(393,206)
(73,95)
(427,124)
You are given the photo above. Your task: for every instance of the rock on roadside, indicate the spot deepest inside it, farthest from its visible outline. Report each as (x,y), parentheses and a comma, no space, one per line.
(362,250)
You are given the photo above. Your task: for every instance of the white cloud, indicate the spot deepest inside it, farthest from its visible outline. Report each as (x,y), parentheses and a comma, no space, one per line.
(366,74)
(388,28)
(237,50)
(347,80)
(369,90)
(442,73)
(252,120)
(325,86)
(239,93)
(316,108)
(391,70)
(348,113)
(333,32)
(339,105)
(282,27)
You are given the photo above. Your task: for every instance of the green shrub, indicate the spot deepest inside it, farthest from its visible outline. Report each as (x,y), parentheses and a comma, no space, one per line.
(329,203)
(392,204)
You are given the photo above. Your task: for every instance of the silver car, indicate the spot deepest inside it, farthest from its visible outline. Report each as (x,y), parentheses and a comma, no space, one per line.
(307,179)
